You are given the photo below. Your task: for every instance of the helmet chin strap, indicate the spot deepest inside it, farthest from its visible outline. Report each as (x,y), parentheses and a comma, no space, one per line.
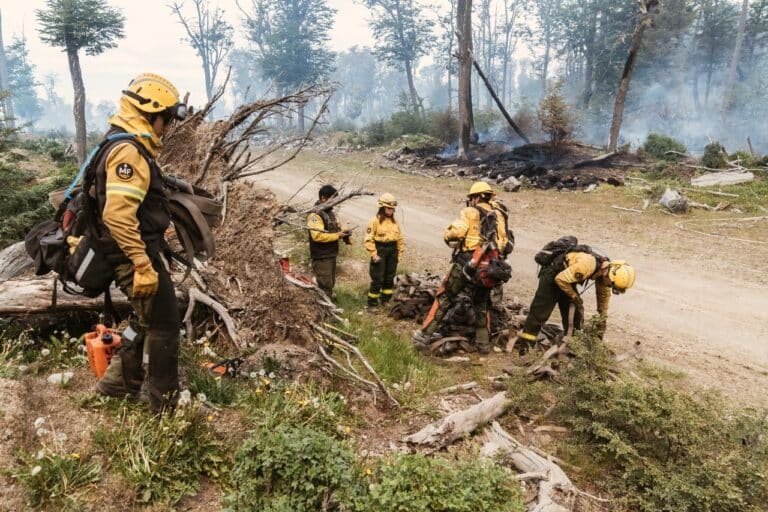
(142,100)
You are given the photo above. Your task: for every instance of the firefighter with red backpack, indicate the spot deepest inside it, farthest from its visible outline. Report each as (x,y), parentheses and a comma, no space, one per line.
(480,240)
(564,265)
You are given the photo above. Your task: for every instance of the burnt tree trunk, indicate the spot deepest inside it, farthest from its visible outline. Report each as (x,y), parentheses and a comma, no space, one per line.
(644,19)
(464,36)
(79,103)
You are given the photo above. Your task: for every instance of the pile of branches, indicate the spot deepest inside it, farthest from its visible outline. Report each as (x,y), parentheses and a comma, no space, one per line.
(415,294)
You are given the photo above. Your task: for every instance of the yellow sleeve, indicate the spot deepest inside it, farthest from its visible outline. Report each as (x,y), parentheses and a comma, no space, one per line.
(317,229)
(458,228)
(400,242)
(603,294)
(127,183)
(564,282)
(370,236)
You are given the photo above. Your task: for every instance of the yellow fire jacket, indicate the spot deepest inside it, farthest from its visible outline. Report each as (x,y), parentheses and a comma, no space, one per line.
(387,230)
(127,182)
(580,267)
(319,232)
(467,228)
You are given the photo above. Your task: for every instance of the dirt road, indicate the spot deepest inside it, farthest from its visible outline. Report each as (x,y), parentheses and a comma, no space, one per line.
(696,305)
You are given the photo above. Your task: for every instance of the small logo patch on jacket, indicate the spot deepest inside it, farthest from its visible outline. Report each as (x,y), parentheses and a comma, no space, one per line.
(124,172)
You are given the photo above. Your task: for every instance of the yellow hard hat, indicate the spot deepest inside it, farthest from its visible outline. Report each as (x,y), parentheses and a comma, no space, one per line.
(153,94)
(387,200)
(480,187)
(622,276)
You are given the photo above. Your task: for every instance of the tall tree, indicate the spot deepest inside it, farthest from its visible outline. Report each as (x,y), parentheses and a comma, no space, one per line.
(731,79)
(21,78)
(464,54)
(644,19)
(290,42)
(548,33)
(209,34)
(5,93)
(403,35)
(74,25)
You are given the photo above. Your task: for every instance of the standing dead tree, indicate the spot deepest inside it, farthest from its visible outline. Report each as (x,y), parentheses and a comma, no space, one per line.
(464,55)
(644,20)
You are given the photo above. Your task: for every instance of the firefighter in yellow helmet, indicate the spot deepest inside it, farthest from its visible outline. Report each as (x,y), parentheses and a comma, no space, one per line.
(134,216)
(480,232)
(385,244)
(558,287)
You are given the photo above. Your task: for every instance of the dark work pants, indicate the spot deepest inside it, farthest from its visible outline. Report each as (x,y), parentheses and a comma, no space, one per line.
(454,285)
(548,295)
(325,274)
(150,343)
(383,273)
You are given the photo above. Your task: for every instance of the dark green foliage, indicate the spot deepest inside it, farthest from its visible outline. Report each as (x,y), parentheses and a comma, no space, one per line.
(162,458)
(714,156)
(74,24)
(21,80)
(661,448)
(440,124)
(24,201)
(291,40)
(430,484)
(656,146)
(291,468)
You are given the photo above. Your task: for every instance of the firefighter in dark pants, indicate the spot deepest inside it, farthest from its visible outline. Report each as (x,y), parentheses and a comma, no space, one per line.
(134,209)
(466,232)
(324,235)
(384,242)
(557,287)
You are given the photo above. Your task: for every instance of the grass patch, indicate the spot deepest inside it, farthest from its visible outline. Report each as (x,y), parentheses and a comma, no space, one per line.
(218,390)
(390,353)
(302,405)
(56,480)
(162,458)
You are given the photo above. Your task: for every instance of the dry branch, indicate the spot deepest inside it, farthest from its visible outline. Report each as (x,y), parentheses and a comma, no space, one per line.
(498,442)
(459,424)
(196,296)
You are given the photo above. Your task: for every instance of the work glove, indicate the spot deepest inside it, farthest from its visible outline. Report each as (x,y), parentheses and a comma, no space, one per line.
(346,236)
(144,280)
(579,303)
(73,242)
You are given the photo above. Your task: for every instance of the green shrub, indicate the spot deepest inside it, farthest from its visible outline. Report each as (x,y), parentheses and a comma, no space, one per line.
(656,146)
(24,200)
(660,448)
(291,468)
(486,120)
(714,156)
(442,125)
(162,458)
(422,484)
(54,480)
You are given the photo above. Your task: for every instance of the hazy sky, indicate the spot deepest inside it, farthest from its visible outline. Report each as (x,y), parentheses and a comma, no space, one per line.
(153,42)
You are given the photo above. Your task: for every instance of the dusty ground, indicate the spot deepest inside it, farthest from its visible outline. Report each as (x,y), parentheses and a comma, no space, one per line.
(699,304)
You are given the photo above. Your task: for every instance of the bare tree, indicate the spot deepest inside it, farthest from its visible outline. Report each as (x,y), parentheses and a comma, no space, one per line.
(644,20)
(728,93)
(210,35)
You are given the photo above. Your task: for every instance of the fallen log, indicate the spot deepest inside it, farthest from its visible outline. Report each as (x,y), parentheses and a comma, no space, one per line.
(34,296)
(601,159)
(443,432)
(557,485)
(723,178)
(14,261)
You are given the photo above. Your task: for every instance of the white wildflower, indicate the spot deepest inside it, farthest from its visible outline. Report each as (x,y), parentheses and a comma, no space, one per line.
(185,397)
(35,470)
(45,352)
(39,422)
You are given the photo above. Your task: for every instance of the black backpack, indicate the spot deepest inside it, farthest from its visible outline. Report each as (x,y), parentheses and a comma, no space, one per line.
(554,252)
(90,266)
(491,268)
